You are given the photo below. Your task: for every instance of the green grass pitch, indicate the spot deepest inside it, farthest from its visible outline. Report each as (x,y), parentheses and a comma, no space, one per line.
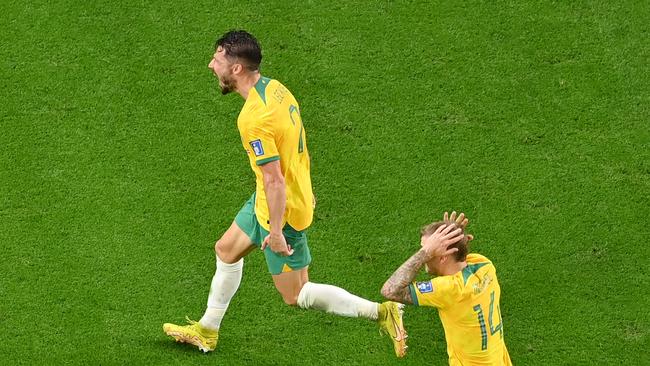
(120,165)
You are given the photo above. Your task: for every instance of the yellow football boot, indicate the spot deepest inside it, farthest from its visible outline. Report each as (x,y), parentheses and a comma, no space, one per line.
(390,321)
(193,333)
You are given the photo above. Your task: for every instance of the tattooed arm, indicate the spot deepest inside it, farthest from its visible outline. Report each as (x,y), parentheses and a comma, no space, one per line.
(396,287)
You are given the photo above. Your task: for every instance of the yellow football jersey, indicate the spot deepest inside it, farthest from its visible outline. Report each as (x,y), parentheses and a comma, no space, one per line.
(468,305)
(271,129)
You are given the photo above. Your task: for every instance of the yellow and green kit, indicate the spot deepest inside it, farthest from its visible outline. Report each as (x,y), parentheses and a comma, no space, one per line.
(271,129)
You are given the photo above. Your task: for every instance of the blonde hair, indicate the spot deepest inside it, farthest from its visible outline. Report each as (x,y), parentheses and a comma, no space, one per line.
(462,245)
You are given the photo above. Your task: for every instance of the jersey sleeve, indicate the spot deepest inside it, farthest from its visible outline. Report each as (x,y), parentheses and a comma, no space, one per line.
(261,141)
(438,292)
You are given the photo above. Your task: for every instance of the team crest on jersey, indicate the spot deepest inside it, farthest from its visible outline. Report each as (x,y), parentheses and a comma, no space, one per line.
(482,284)
(425,287)
(257,147)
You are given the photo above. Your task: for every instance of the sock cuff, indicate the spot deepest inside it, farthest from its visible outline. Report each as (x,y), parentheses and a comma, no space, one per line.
(304,300)
(230,267)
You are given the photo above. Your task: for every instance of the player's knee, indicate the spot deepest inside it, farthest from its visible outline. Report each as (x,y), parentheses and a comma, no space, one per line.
(291,299)
(223,253)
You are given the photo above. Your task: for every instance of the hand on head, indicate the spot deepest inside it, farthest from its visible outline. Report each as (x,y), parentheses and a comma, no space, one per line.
(461,221)
(437,244)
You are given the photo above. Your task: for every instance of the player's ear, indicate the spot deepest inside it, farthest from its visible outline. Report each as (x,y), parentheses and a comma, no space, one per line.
(237,68)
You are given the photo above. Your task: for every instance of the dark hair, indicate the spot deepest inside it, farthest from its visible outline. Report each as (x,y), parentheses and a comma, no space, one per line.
(462,245)
(243,46)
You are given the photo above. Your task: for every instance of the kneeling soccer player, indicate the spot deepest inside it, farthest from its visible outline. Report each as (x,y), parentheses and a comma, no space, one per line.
(465,291)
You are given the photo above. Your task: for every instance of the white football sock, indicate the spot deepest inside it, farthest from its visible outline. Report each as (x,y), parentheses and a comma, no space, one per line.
(225,283)
(336,300)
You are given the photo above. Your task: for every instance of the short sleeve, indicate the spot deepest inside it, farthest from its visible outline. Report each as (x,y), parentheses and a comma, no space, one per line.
(261,141)
(438,292)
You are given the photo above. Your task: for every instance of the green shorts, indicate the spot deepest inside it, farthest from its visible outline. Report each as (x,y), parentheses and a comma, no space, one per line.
(247,222)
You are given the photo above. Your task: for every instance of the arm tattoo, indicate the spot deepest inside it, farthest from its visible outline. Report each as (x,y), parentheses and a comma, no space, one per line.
(397,286)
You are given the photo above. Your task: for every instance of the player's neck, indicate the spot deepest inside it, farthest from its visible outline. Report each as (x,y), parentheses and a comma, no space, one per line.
(247,82)
(453,268)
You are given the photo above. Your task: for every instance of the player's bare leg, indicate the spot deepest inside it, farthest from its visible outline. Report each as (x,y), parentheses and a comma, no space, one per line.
(230,251)
(296,289)
(289,284)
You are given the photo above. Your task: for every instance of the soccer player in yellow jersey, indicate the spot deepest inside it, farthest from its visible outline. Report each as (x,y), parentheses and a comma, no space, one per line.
(276,216)
(465,291)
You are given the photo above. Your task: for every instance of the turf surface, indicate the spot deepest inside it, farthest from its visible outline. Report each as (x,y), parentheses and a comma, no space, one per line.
(120,165)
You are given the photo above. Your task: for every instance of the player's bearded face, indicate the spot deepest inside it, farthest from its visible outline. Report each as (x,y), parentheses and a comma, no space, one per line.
(226,83)
(222,70)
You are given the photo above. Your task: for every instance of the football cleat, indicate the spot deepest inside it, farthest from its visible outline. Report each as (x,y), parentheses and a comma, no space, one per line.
(194,333)
(390,322)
